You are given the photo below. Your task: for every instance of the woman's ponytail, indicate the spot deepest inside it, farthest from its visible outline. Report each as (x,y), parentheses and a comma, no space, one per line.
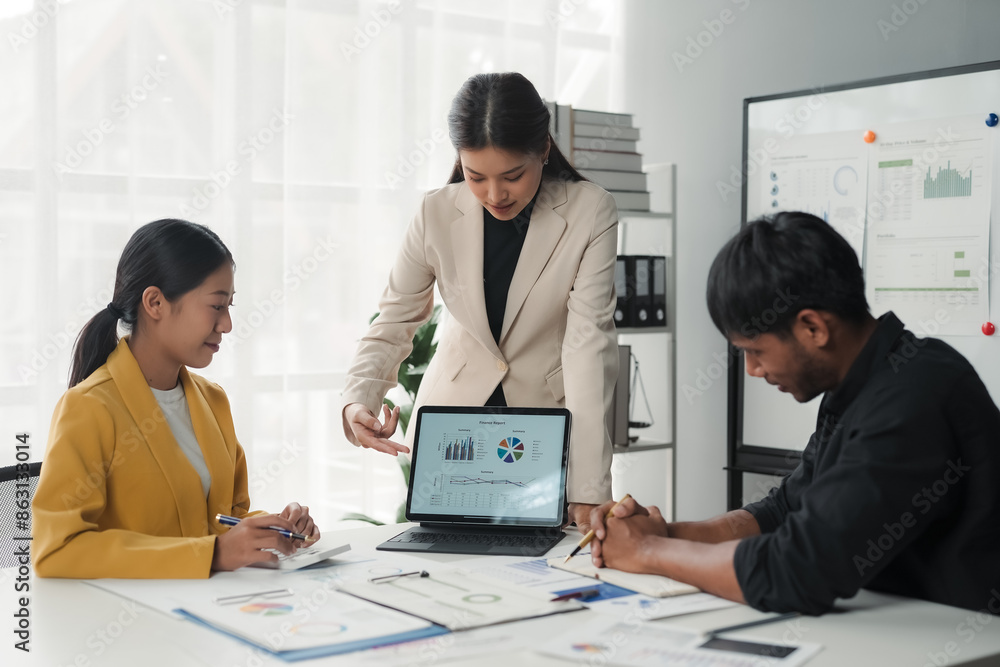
(96,341)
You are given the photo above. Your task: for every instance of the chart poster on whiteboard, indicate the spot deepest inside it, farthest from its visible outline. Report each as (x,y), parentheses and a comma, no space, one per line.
(823,174)
(929,193)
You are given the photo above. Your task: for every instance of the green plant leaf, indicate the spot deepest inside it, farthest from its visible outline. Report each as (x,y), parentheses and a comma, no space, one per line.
(411,374)
(405,412)
(409,381)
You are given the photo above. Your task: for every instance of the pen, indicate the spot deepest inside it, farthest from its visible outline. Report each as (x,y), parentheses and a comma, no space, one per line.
(751,624)
(227,520)
(590,535)
(246,597)
(581,595)
(421,573)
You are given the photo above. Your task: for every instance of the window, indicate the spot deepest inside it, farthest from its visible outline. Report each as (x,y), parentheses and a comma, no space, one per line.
(303,132)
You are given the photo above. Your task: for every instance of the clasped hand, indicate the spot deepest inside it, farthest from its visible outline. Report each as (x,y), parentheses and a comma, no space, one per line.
(621,542)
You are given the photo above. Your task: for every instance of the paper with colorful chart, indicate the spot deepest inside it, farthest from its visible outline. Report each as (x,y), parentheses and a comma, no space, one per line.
(311,615)
(460,600)
(600,596)
(609,641)
(930,188)
(823,174)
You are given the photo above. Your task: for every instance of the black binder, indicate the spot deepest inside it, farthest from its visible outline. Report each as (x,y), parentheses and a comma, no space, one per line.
(623,292)
(659,292)
(639,272)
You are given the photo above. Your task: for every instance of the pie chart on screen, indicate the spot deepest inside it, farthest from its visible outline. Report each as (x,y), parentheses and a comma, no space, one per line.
(510,449)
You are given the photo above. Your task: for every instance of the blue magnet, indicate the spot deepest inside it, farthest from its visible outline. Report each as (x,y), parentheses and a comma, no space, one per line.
(992,120)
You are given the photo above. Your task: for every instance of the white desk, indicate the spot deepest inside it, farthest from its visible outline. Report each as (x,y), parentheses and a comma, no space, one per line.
(73,623)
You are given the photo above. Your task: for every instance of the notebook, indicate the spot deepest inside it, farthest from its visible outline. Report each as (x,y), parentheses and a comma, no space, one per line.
(486,480)
(649,584)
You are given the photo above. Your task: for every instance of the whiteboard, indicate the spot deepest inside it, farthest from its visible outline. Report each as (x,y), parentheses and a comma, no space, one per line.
(773,125)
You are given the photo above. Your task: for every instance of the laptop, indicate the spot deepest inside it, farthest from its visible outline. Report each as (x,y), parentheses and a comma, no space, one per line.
(486,480)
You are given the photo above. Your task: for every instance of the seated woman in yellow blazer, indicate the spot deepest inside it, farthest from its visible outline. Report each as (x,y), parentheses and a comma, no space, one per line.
(522,249)
(143,454)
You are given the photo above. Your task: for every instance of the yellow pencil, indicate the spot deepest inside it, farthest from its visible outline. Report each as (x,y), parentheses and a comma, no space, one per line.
(590,535)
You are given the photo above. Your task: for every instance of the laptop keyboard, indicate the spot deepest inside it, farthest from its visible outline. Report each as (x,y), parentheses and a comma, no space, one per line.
(488,539)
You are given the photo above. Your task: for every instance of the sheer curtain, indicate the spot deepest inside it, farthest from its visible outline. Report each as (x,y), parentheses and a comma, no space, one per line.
(303,132)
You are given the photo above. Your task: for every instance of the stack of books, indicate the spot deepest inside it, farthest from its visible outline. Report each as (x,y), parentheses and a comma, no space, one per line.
(603,147)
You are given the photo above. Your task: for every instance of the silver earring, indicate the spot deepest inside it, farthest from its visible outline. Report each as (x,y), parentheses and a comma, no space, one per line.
(546,161)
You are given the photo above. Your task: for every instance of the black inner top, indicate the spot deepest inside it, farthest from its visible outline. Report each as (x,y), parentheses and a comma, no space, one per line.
(502,243)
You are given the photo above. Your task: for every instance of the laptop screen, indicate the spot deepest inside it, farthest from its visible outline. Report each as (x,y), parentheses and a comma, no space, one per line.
(489,465)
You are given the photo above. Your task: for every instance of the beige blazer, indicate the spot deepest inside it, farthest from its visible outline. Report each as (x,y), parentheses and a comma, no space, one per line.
(557,347)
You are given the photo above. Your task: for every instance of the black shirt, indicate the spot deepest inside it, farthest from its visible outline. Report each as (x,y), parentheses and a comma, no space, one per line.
(898,489)
(502,243)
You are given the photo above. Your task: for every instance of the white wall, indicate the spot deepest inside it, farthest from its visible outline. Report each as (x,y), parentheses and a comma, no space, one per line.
(691,114)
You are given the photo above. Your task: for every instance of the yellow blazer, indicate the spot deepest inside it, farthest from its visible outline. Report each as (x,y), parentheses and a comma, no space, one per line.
(557,347)
(117,496)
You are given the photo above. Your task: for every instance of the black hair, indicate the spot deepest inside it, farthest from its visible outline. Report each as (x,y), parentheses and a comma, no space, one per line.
(776,267)
(174,255)
(504,111)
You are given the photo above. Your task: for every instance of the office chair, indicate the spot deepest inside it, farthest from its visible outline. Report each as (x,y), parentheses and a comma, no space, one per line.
(9,527)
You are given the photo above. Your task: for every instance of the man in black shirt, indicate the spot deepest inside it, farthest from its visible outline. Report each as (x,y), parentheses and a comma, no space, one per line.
(899,487)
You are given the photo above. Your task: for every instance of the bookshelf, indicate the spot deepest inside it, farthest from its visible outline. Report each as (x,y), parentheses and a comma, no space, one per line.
(604,148)
(644,464)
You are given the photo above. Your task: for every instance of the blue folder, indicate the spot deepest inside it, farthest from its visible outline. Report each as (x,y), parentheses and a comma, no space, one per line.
(333,649)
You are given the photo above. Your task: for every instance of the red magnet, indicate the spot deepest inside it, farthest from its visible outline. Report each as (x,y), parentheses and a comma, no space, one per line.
(989,329)
(869,137)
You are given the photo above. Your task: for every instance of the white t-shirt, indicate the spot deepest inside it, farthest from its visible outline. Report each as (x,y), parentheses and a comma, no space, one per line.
(175,409)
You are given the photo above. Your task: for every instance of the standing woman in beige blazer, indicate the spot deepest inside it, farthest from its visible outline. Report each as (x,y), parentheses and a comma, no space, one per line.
(523,251)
